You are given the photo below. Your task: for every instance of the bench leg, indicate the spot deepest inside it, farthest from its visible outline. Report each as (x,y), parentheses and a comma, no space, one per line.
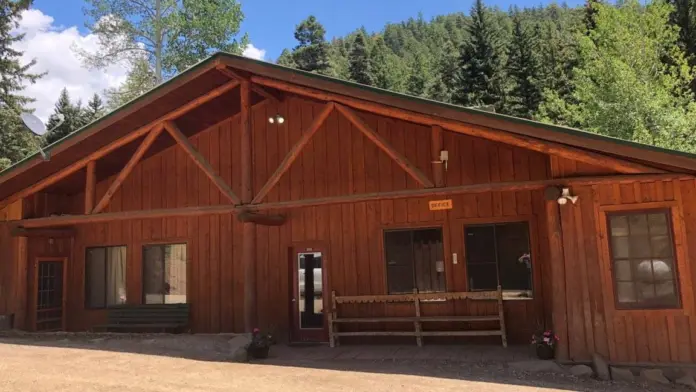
(332,344)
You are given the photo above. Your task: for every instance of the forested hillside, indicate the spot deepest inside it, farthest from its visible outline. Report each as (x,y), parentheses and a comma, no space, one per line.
(624,69)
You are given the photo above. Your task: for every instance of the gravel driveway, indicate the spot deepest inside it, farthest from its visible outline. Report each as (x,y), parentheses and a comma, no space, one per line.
(99,365)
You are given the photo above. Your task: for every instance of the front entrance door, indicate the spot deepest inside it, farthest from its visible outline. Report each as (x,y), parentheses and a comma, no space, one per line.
(49,294)
(307,299)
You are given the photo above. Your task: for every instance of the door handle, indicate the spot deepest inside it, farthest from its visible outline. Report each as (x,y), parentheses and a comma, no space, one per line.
(294,300)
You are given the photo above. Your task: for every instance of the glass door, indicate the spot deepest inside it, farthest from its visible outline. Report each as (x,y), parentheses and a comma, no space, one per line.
(308,295)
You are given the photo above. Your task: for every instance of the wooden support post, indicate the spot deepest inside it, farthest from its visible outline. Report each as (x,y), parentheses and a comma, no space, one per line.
(438,165)
(399,158)
(294,152)
(135,158)
(254,87)
(249,228)
(200,161)
(558,286)
(90,186)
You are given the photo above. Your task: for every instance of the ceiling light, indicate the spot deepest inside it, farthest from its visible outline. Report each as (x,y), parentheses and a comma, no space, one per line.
(277,119)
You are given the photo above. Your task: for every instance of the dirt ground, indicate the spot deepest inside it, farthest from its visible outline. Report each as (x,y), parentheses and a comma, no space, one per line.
(92,363)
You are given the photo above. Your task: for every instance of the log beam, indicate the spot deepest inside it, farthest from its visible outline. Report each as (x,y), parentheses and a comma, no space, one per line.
(294,152)
(248,228)
(75,167)
(384,145)
(261,219)
(128,168)
(67,220)
(90,186)
(436,146)
(43,233)
(200,161)
(254,87)
(543,146)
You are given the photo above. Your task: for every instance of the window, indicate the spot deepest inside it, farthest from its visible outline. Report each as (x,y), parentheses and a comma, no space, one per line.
(642,255)
(499,254)
(105,282)
(414,261)
(164,274)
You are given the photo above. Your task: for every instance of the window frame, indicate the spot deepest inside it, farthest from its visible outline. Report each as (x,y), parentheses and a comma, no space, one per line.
(531,241)
(412,227)
(86,278)
(162,244)
(676,270)
(681,256)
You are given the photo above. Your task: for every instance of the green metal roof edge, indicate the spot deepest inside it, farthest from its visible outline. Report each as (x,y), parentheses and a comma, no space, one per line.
(551,127)
(94,123)
(462,109)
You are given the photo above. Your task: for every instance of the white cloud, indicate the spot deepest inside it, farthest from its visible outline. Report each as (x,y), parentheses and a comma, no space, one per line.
(254,53)
(53,48)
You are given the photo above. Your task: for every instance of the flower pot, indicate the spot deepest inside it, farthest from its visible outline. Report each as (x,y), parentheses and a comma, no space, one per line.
(544,351)
(259,352)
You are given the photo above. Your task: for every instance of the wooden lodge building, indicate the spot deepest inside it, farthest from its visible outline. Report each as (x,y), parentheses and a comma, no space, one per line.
(252,192)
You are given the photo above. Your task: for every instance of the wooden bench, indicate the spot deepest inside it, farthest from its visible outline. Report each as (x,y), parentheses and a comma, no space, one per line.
(163,317)
(417,319)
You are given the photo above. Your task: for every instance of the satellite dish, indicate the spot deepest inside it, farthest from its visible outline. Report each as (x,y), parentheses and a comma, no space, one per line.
(37,127)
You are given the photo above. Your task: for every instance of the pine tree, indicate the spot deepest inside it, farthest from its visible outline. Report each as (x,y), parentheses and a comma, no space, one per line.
(312,52)
(73,118)
(94,109)
(558,49)
(286,59)
(445,74)
(684,16)
(480,75)
(359,67)
(419,80)
(524,69)
(387,68)
(15,141)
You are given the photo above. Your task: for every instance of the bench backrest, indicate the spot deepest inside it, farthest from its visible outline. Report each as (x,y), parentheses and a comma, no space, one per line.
(473,295)
(149,314)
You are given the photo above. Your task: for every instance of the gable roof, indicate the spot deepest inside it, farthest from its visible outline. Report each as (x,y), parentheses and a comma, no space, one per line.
(203,77)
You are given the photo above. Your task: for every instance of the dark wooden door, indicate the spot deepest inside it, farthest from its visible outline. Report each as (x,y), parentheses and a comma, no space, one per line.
(49,295)
(308,296)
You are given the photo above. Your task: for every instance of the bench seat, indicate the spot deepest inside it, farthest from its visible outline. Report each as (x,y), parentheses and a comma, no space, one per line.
(174,317)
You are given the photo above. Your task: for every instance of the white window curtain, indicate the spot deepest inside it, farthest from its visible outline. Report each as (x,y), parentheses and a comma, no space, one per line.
(116,276)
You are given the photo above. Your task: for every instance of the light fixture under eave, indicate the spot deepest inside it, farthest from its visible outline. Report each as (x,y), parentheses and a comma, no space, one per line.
(277,119)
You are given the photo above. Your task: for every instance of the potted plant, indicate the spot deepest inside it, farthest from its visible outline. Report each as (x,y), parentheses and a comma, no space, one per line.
(545,344)
(260,344)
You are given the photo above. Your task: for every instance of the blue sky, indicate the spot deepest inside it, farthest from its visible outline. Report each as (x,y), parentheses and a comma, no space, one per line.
(271,23)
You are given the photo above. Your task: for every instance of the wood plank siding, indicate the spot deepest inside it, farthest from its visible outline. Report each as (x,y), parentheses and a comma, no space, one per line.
(593,322)
(338,160)
(571,270)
